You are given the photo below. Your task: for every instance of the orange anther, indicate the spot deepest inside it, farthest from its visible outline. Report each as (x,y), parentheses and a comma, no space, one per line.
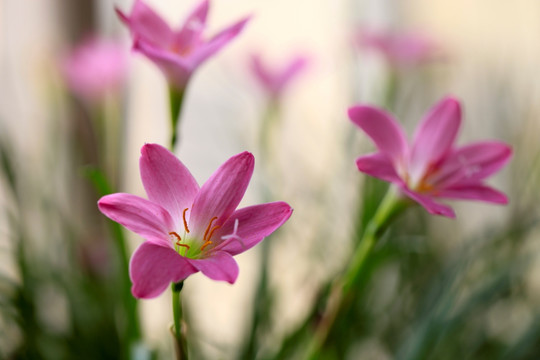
(185,222)
(178,238)
(208,228)
(212,232)
(205,245)
(184,245)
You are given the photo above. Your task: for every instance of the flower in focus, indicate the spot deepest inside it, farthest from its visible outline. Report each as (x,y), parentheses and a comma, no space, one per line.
(189,229)
(176,52)
(94,68)
(275,80)
(400,49)
(432,167)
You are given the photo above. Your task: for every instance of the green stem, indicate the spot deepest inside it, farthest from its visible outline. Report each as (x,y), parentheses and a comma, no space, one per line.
(176,100)
(262,306)
(180,341)
(392,85)
(341,290)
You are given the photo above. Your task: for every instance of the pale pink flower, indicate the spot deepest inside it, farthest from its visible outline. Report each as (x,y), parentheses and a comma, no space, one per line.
(95,68)
(400,49)
(176,52)
(274,79)
(433,166)
(189,229)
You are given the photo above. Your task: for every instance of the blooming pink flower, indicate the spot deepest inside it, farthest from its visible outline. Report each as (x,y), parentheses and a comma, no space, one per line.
(95,67)
(176,52)
(187,228)
(432,167)
(400,49)
(274,80)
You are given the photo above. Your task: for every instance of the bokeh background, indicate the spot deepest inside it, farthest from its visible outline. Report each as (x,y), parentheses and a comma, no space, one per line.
(471,283)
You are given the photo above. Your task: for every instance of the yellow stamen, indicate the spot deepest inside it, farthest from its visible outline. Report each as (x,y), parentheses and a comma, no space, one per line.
(185,222)
(208,227)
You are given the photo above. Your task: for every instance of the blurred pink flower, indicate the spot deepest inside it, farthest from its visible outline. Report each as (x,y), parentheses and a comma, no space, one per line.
(274,80)
(187,228)
(432,167)
(95,67)
(176,52)
(400,49)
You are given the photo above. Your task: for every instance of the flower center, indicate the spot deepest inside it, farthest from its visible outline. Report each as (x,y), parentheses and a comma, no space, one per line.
(186,244)
(423,183)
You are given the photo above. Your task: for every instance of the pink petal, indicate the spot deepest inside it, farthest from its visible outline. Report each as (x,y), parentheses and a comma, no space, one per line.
(220,266)
(152,268)
(139,215)
(474,192)
(254,223)
(146,24)
(262,73)
(215,44)
(221,193)
(383,130)
(177,70)
(427,202)
(166,180)
(472,163)
(378,165)
(294,67)
(191,31)
(435,136)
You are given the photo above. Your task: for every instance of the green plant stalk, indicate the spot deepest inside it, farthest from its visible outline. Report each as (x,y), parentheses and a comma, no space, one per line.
(262,306)
(341,289)
(180,340)
(176,100)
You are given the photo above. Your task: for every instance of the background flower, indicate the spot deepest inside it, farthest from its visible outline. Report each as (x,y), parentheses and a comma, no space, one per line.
(432,167)
(177,52)
(94,68)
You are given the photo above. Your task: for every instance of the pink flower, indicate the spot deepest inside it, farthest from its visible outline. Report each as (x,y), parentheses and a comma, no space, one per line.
(95,67)
(187,228)
(274,80)
(176,52)
(400,49)
(432,167)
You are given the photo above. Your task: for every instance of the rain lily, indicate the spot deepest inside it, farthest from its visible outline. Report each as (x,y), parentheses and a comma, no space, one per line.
(275,80)
(400,49)
(189,229)
(176,52)
(432,167)
(94,68)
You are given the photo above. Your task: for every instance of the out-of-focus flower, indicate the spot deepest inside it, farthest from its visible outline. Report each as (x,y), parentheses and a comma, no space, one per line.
(95,68)
(187,228)
(400,49)
(274,80)
(432,167)
(176,52)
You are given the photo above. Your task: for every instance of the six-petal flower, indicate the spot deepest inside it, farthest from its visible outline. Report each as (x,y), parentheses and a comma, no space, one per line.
(189,229)
(432,167)
(274,80)
(176,52)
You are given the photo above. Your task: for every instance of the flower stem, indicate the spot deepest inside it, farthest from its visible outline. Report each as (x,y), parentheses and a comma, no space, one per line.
(180,340)
(176,99)
(340,293)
